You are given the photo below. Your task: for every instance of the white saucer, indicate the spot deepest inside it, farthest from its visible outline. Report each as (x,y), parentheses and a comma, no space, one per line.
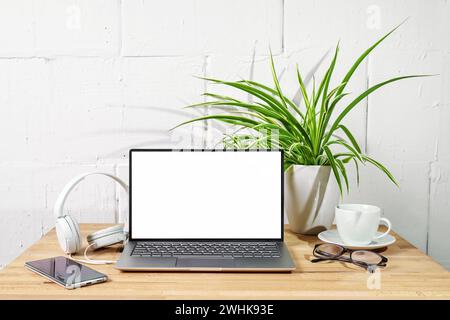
(332,236)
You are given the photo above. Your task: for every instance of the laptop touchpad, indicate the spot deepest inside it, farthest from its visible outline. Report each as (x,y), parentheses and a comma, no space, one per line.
(205,262)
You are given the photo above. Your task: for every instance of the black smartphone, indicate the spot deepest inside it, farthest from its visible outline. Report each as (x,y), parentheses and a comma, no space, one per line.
(66,272)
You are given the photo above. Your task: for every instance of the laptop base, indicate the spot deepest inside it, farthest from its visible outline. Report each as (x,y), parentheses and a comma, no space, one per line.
(127,262)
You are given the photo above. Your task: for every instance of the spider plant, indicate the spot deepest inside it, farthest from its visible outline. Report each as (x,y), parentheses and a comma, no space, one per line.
(308,133)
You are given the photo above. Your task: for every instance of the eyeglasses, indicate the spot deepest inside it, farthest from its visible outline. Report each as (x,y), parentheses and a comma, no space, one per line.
(368,260)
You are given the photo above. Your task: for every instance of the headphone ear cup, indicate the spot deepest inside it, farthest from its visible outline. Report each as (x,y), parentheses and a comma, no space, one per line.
(76,230)
(68,233)
(107,237)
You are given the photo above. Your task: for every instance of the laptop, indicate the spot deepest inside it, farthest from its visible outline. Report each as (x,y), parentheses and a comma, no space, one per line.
(206,210)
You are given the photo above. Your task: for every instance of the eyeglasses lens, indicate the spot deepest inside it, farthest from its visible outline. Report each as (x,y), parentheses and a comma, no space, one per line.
(366,257)
(329,250)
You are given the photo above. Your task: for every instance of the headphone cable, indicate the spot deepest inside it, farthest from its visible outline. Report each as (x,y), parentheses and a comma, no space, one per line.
(89,260)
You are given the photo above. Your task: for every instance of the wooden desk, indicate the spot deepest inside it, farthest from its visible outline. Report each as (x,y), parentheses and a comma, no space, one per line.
(410,274)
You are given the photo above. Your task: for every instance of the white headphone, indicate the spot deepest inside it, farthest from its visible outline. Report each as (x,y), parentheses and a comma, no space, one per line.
(68,231)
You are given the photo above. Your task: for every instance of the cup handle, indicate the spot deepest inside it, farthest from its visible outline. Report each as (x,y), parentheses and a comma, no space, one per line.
(388,223)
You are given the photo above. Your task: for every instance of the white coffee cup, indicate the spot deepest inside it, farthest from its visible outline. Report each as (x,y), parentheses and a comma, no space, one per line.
(357,224)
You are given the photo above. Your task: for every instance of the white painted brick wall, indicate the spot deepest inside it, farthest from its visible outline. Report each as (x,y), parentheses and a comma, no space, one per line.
(28,195)
(82,81)
(407,206)
(439,217)
(187,27)
(17,16)
(81,28)
(24,114)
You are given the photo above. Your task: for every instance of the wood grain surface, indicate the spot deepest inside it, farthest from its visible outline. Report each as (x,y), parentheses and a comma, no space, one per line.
(410,274)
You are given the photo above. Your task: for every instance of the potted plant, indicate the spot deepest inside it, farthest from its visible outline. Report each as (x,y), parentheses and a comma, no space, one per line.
(316,144)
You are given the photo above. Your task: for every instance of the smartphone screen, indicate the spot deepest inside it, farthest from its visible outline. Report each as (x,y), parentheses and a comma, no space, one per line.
(66,272)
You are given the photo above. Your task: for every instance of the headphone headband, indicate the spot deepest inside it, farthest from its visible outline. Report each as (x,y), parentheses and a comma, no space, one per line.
(59,204)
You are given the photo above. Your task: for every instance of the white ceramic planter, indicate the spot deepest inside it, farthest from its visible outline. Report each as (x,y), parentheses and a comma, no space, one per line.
(311,194)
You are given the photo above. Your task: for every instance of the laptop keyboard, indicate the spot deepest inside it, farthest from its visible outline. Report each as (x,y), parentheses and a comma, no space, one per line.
(213,249)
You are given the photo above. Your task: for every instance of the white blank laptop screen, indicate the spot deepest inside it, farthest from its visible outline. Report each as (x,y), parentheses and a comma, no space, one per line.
(206,195)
